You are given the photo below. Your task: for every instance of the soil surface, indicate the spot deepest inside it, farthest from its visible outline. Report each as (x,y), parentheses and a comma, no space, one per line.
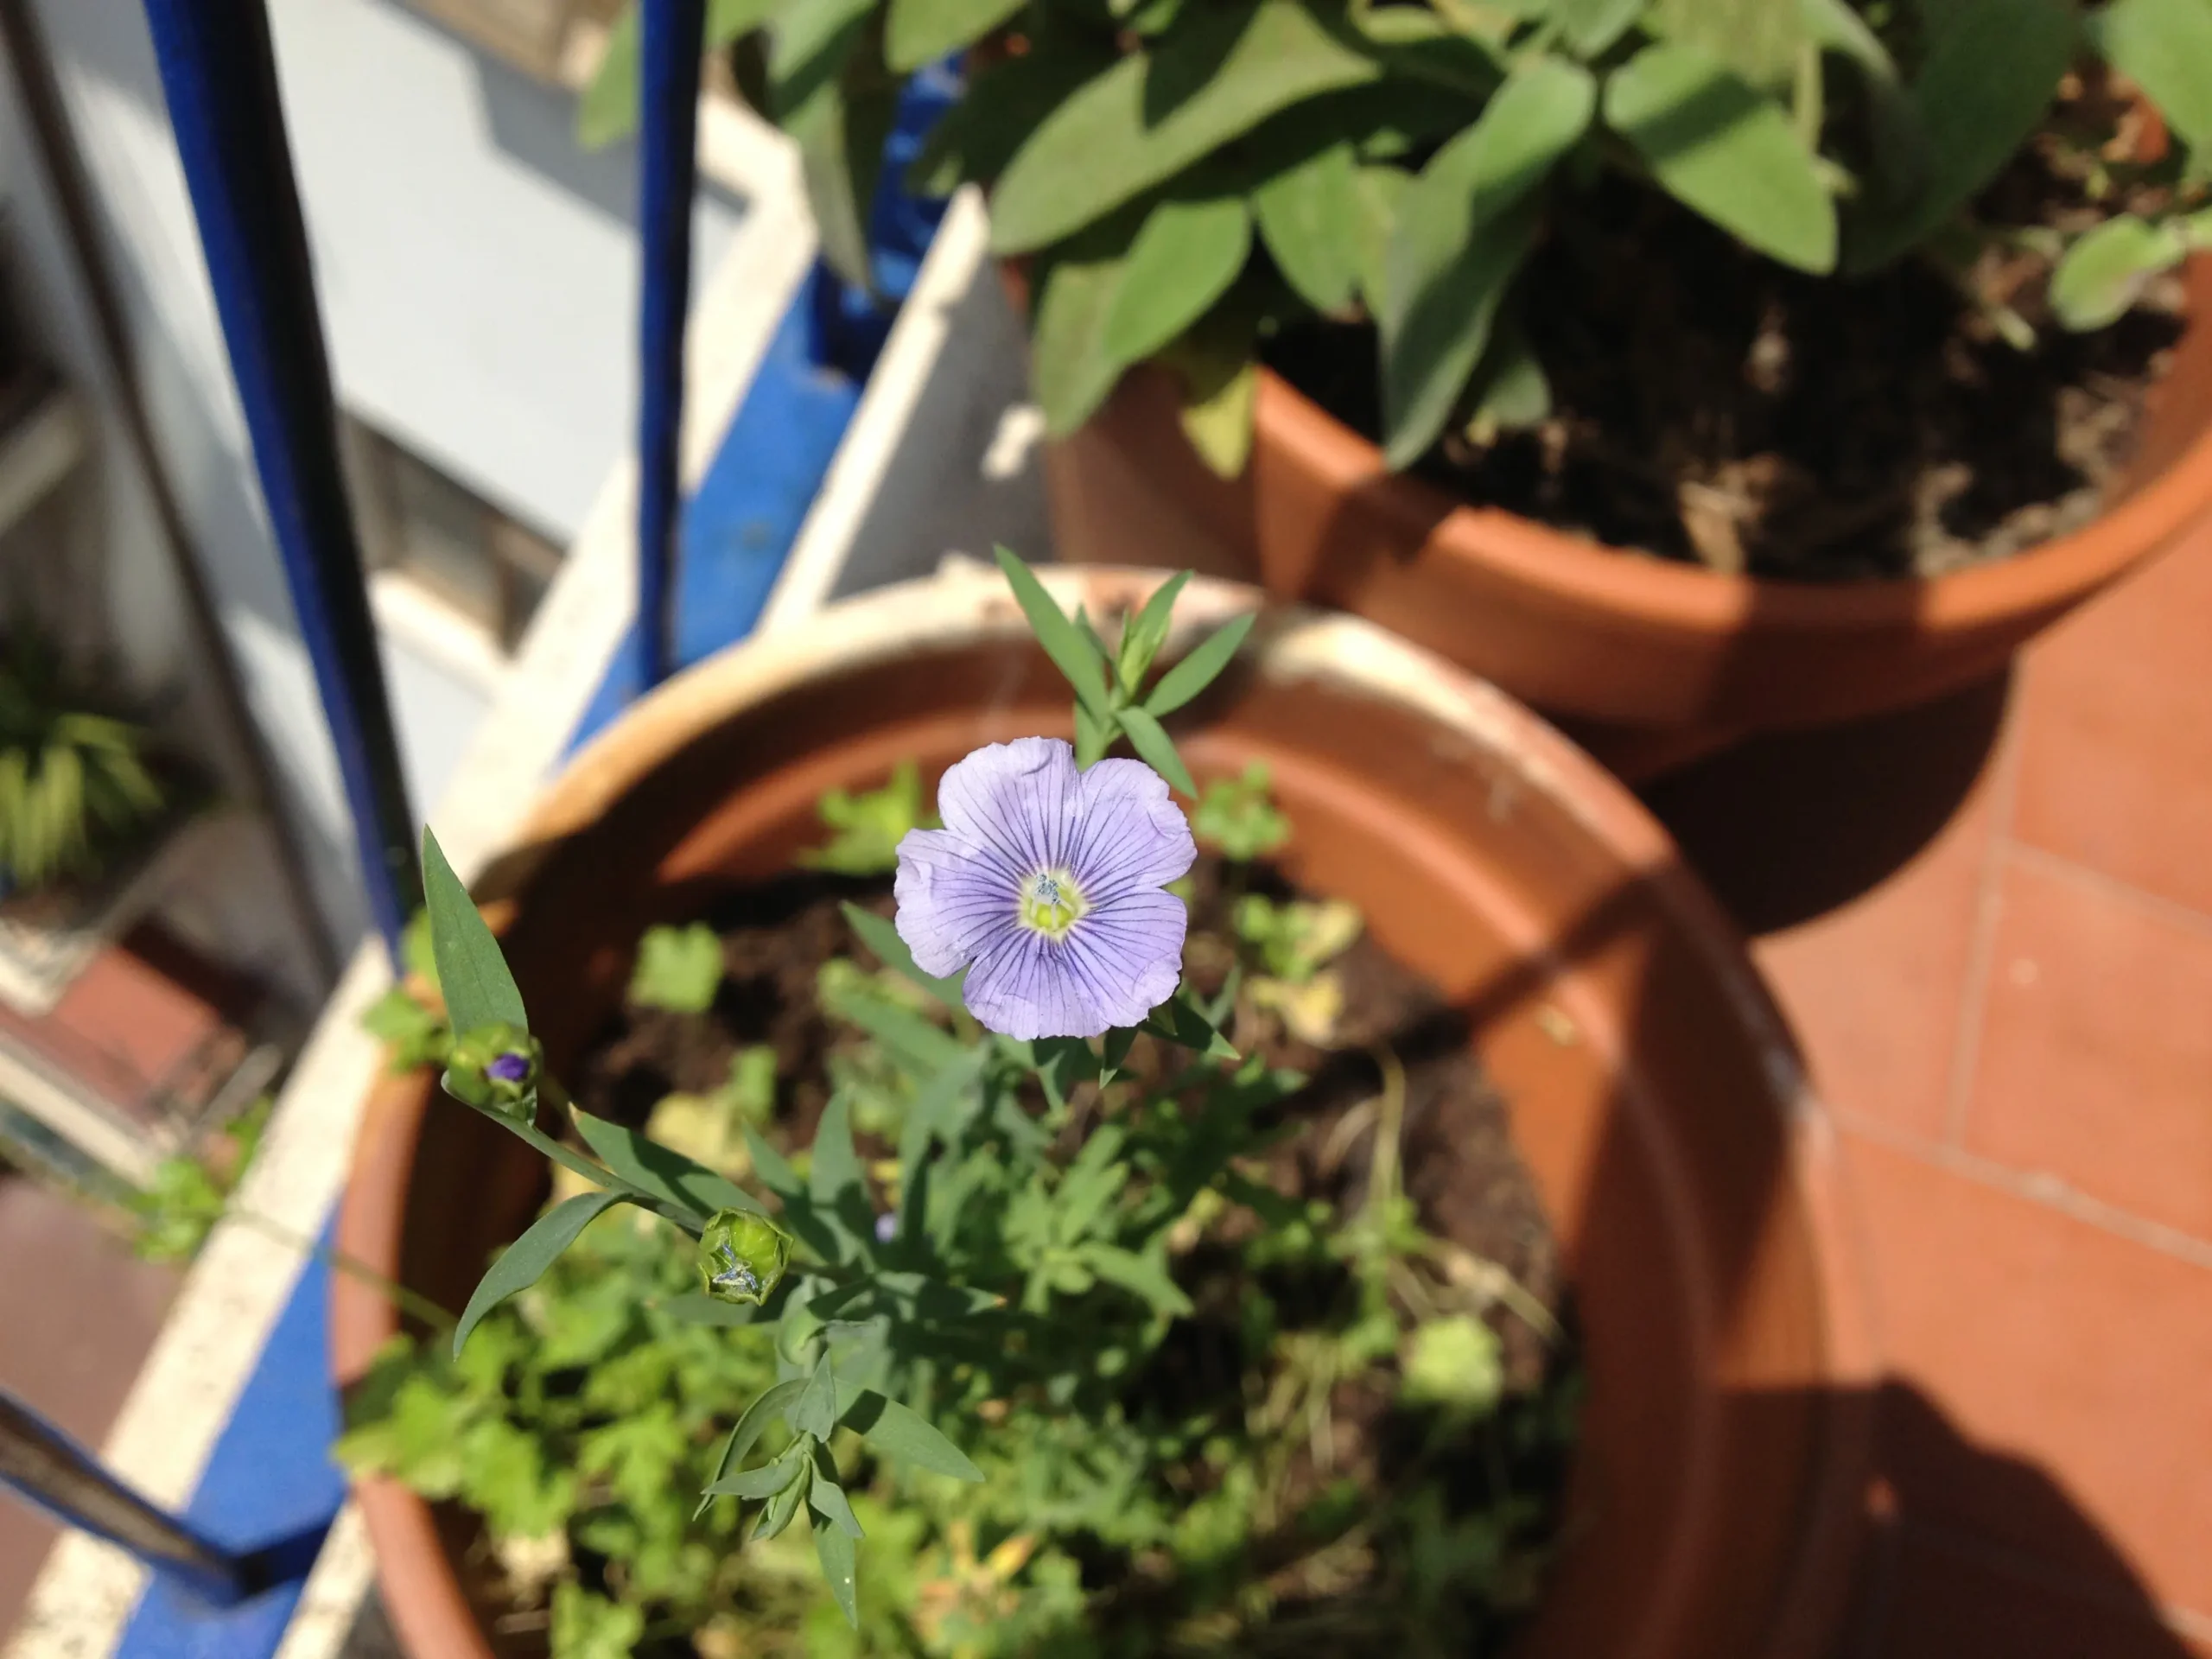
(1460,1167)
(1710,405)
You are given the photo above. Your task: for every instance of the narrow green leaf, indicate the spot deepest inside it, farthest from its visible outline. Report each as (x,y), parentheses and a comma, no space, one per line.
(479,989)
(1990,70)
(881,935)
(920,32)
(1309,216)
(2166,48)
(697,1307)
(773,1169)
(912,1041)
(1147,630)
(824,1234)
(1185,255)
(1004,103)
(1094,735)
(1182,1021)
(1458,242)
(1156,749)
(661,1171)
(1899,158)
(523,1262)
(1200,668)
(814,1412)
(834,97)
(1140,1275)
(1382,192)
(1720,146)
(1072,654)
(896,1432)
(833,1547)
(1155,113)
(785,1507)
(756,1483)
(750,1427)
(1591,25)
(834,1177)
(2104,272)
(827,1498)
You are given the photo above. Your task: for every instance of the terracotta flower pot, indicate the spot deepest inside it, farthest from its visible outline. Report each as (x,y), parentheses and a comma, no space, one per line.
(1685,655)
(1693,1181)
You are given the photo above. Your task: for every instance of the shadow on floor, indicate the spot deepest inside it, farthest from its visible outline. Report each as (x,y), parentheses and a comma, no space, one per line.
(1788,826)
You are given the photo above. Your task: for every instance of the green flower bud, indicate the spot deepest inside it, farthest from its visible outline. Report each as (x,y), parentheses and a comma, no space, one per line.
(742,1256)
(495,1067)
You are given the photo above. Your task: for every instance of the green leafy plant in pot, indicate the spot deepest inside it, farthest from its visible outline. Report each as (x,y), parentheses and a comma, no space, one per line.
(77,787)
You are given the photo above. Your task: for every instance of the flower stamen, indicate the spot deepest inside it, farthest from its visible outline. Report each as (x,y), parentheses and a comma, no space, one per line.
(1051,903)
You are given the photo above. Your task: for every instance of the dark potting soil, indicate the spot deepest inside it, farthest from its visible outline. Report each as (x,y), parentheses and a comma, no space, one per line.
(1459,1165)
(1712,406)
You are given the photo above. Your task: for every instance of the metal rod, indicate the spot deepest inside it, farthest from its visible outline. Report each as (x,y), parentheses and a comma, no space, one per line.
(672,34)
(219,71)
(44,1464)
(55,141)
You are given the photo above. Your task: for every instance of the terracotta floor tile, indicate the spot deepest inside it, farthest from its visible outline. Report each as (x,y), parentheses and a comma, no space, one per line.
(78,1312)
(1948,1599)
(2095,1061)
(1858,855)
(2052,1391)
(2116,737)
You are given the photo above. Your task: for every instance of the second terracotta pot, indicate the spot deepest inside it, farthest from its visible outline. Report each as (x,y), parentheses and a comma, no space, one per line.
(1684,654)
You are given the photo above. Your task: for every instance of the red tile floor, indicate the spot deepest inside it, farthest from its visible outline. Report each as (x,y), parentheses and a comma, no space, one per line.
(1990,924)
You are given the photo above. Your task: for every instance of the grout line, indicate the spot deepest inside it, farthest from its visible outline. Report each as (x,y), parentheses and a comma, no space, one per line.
(1974,997)
(2043,1189)
(2058,867)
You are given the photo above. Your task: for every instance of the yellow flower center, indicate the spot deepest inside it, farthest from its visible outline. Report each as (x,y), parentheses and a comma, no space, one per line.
(1051,904)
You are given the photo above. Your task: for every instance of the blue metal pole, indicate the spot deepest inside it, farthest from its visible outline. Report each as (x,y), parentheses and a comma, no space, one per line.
(218,71)
(671,36)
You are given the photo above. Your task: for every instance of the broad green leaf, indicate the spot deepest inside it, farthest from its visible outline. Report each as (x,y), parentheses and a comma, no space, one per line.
(1309,215)
(1147,630)
(1382,192)
(1155,113)
(1220,383)
(1072,654)
(2166,48)
(1003,104)
(1990,70)
(1200,668)
(523,1262)
(1069,367)
(881,935)
(1511,389)
(815,1411)
(2103,273)
(1140,1275)
(1156,749)
(833,1547)
(918,32)
(1185,257)
(1760,39)
(896,1432)
(1458,242)
(1720,146)
(827,1498)
(478,990)
(661,1171)
(1898,144)
(834,97)
(1591,25)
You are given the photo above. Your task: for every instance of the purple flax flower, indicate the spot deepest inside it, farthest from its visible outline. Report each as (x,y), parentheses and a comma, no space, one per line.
(509,1067)
(1044,884)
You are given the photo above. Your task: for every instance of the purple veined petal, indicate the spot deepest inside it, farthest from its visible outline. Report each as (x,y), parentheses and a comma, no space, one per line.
(952,901)
(1011,802)
(1128,834)
(1115,965)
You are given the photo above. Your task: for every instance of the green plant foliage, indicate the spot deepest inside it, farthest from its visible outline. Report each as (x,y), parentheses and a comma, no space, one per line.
(2166,48)
(867,828)
(679,969)
(77,787)
(189,1194)
(1238,818)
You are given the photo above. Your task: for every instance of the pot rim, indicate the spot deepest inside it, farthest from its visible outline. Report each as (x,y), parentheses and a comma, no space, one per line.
(1290,644)
(1579,571)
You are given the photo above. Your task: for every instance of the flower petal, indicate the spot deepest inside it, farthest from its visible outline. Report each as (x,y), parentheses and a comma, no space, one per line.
(1128,834)
(1014,803)
(952,902)
(1115,966)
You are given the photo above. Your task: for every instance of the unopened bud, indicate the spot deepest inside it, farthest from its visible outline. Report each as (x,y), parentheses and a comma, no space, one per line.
(495,1067)
(742,1256)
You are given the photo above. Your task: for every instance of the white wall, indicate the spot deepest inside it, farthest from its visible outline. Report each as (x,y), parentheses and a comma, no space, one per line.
(478,277)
